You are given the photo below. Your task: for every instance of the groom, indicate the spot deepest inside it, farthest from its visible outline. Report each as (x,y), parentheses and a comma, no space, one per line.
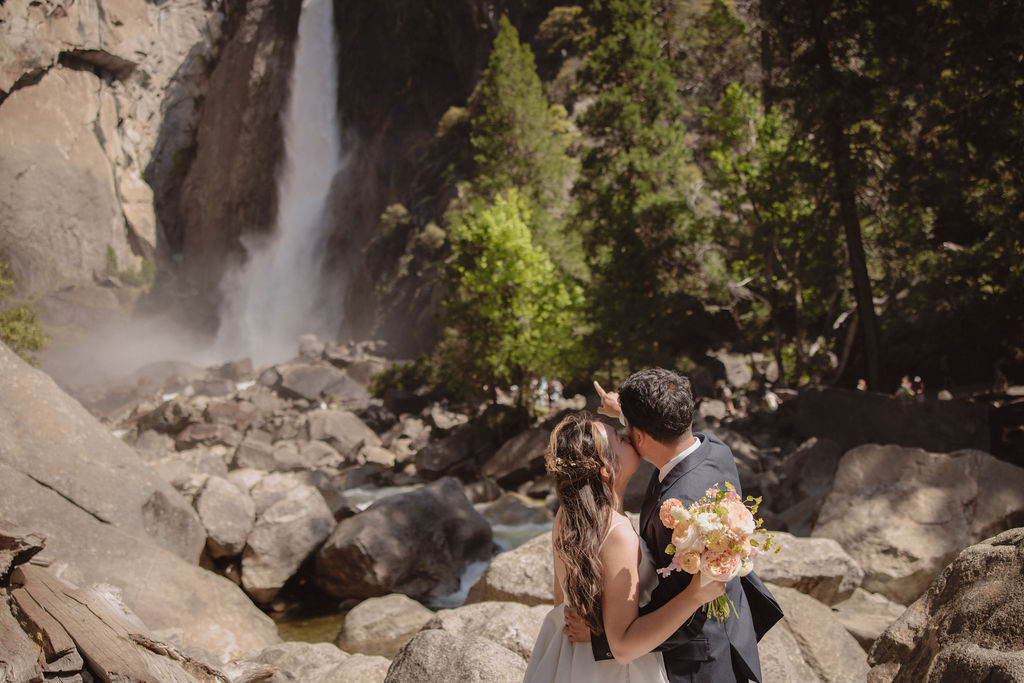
(657,409)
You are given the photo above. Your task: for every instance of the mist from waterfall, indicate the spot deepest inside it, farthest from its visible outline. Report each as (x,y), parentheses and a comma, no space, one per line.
(272,298)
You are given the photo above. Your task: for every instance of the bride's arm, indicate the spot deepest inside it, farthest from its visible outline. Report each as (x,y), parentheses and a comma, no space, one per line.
(629,634)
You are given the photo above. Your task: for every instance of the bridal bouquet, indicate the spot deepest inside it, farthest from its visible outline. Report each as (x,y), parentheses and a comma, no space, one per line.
(715,538)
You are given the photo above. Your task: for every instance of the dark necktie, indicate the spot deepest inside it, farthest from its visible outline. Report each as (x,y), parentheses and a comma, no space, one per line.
(650,500)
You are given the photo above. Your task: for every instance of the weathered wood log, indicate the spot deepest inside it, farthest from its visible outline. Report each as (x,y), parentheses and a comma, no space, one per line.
(19,656)
(17,546)
(58,647)
(101,635)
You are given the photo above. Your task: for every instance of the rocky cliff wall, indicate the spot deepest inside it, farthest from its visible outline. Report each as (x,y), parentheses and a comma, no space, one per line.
(88,91)
(140,130)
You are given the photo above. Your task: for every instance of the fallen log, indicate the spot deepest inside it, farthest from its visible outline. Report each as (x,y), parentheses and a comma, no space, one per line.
(107,640)
(19,657)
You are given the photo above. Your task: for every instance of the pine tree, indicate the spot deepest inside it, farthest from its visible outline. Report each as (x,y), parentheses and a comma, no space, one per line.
(635,189)
(520,141)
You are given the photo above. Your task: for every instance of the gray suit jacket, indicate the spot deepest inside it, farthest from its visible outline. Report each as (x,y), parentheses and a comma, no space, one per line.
(703,649)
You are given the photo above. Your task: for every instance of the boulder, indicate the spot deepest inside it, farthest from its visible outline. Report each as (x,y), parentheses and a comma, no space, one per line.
(381,626)
(444,657)
(193,608)
(818,567)
(525,574)
(255,451)
(865,615)
(343,430)
(903,513)
(823,647)
(471,444)
(284,535)
(170,417)
(968,625)
(514,510)
(512,625)
(519,459)
(228,515)
(417,543)
(206,434)
(50,438)
(184,469)
(319,663)
(806,473)
(240,415)
(852,418)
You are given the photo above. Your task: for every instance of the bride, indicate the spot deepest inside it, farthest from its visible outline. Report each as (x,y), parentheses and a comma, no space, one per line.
(603,570)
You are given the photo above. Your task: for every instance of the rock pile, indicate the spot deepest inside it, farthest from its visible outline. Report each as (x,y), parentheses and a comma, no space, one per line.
(276,468)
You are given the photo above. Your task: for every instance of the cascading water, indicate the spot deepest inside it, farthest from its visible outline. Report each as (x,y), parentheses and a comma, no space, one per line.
(272,298)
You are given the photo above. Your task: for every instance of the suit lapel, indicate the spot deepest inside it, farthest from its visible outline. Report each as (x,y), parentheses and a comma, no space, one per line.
(682,469)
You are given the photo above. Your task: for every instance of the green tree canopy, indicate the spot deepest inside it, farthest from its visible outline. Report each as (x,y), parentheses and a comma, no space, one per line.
(636,189)
(510,315)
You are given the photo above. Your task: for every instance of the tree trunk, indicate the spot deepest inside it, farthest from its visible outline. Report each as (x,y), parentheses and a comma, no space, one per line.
(840,151)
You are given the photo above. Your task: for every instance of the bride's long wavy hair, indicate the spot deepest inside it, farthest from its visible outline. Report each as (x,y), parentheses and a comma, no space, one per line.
(576,453)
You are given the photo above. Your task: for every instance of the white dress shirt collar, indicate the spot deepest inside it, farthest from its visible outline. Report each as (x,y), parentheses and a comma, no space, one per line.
(663,472)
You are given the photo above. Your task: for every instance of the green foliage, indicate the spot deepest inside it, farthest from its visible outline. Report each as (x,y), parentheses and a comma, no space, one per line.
(636,189)
(780,236)
(19,325)
(521,141)
(510,315)
(404,376)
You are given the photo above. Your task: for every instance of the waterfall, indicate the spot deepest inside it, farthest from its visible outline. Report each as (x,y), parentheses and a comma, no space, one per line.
(272,298)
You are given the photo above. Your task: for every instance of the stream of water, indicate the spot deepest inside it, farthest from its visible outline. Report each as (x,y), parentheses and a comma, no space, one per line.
(272,298)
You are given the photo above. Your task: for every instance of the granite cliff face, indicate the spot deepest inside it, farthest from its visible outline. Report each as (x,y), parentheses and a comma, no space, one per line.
(89,91)
(138,131)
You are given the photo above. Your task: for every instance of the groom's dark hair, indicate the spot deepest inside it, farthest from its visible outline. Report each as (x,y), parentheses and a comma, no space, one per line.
(658,401)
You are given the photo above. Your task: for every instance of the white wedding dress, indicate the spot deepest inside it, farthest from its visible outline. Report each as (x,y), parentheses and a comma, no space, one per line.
(555,659)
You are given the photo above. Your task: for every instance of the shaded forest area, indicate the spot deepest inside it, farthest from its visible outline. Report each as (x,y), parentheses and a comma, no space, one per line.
(833,185)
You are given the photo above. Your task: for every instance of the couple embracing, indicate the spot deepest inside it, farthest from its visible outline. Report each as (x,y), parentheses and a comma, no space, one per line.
(641,628)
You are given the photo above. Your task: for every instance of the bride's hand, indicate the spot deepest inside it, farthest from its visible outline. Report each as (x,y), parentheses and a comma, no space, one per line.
(609,402)
(705,594)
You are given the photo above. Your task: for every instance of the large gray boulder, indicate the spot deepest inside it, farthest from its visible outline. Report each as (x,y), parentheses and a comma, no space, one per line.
(343,430)
(284,535)
(228,515)
(525,574)
(904,513)
(823,651)
(51,439)
(818,567)
(445,657)
(512,625)
(866,615)
(519,459)
(968,626)
(99,506)
(417,543)
(382,626)
(320,663)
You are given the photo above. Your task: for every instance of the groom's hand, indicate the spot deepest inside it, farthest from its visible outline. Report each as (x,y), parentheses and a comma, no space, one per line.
(575,630)
(609,402)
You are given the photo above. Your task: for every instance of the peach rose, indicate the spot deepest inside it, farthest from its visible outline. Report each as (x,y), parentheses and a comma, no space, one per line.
(720,566)
(666,511)
(738,518)
(690,562)
(686,538)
